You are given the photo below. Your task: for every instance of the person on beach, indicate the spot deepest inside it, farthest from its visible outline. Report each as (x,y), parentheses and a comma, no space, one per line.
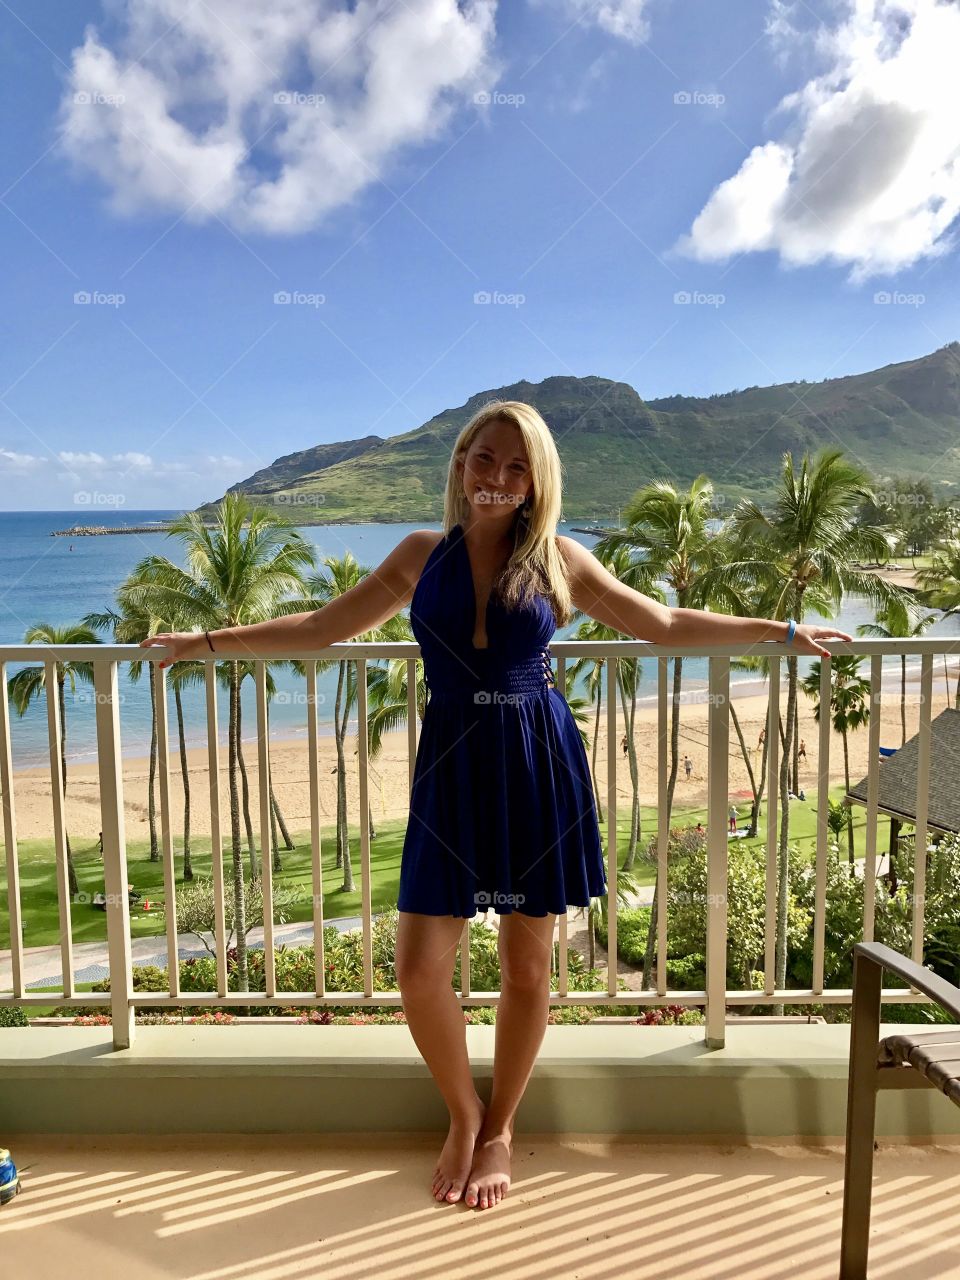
(762,739)
(688,766)
(802,752)
(502,812)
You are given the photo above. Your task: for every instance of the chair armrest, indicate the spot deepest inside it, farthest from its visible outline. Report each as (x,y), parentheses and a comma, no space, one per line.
(931,984)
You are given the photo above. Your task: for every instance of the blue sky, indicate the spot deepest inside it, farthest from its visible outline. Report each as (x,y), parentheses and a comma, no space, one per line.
(582,164)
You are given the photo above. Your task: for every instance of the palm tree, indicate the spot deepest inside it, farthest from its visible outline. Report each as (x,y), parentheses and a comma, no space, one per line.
(940,587)
(801,554)
(338,577)
(240,570)
(670,531)
(898,622)
(130,626)
(849,707)
(28,683)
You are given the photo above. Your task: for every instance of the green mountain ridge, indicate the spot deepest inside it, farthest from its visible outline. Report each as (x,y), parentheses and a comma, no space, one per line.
(902,419)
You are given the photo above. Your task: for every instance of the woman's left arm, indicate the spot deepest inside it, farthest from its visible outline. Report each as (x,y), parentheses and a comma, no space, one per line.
(596,592)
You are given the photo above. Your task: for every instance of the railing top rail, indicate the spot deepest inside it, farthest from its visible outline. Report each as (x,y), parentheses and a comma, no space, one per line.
(559,648)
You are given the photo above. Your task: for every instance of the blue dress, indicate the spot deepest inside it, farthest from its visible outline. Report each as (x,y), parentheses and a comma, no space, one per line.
(502,813)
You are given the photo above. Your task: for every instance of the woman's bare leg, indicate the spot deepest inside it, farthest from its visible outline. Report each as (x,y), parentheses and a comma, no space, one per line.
(425,959)
(525,945)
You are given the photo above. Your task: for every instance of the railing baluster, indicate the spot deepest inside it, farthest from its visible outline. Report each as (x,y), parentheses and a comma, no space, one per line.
(159,677)
(612,667)
(14,905)
(266,843)
(663,827)
(873,791)
(365,880)
(216,837)
(718,767)
(316,864)
(922,807)
(823,808)
(55,741)
(773,798)
(114,853)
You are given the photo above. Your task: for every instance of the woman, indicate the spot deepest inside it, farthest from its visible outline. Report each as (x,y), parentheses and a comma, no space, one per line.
(502,811)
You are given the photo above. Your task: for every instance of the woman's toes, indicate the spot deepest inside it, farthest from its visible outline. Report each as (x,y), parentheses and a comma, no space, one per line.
(455,1192)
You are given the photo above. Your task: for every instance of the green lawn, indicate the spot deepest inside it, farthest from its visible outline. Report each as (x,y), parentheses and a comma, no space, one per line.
(38,880)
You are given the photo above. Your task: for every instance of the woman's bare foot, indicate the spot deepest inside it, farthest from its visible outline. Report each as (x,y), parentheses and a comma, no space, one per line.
(453,1166)
(489,1179)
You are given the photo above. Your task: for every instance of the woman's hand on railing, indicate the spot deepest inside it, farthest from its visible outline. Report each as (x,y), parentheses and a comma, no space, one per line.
(184,644)
(806,636)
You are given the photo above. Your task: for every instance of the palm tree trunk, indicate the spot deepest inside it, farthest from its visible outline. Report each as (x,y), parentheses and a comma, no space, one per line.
(648,951)
(247,821)
(152,782)
(596,744)
(629,719)
(73,884)
(278,814)
(746,760)
(348,885)
(185,775)
(236,844)
(846,775)
(783,865)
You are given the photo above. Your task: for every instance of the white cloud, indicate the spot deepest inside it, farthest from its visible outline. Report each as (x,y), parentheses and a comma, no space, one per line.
(18,461)
(626,19)
(179,112)
(70,459)
(867,173)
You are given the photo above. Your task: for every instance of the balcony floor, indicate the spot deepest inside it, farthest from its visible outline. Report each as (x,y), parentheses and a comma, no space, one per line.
(238,1207)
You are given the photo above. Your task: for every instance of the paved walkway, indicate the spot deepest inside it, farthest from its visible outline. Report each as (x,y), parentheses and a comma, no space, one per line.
(91,960)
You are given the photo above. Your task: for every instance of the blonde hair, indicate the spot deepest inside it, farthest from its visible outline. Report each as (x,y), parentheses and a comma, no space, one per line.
(535,564)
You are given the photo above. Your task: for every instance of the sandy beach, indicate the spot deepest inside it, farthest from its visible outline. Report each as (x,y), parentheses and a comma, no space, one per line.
(388,787)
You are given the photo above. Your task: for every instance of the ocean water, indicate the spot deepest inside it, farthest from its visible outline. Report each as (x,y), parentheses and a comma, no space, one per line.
(59,580)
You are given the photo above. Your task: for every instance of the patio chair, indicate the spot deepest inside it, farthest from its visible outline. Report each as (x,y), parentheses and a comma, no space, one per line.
(897,1062)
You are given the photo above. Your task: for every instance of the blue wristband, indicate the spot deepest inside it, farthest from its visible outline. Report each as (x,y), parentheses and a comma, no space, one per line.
(790,630)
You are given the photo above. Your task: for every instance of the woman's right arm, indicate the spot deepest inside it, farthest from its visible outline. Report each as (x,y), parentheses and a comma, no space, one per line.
(375,599)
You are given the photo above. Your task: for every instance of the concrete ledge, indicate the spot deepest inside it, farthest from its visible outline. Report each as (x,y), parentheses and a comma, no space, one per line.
(778,1081)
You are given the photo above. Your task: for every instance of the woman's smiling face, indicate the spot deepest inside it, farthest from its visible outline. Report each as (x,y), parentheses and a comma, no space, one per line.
(495,472)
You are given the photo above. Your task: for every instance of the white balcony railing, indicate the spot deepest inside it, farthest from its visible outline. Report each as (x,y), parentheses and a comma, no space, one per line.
(715,998)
